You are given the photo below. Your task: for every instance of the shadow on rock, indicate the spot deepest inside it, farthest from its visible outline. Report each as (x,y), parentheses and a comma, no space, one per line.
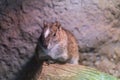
(30,70)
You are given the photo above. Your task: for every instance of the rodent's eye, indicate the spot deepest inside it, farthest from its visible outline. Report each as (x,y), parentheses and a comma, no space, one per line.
(54,34)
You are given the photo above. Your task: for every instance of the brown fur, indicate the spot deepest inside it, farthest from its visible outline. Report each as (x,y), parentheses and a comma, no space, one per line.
(62,37)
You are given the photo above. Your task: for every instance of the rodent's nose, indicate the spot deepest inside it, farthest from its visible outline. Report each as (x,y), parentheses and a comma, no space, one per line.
(45,46)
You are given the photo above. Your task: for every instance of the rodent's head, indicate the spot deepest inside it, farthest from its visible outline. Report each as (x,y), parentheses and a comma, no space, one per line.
(51,34)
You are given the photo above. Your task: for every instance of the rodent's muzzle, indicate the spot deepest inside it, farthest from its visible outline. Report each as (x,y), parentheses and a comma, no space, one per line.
(45,46)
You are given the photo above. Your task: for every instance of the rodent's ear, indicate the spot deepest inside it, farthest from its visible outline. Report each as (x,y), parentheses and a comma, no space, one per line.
(58,25)
(44,24)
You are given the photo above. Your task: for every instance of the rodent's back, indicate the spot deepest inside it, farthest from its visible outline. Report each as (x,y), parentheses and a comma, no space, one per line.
(72,45)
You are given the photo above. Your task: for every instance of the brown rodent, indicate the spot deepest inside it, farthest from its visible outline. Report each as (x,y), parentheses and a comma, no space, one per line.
(57,44)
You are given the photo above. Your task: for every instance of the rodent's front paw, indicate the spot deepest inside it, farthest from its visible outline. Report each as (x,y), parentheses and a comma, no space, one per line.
(50,62)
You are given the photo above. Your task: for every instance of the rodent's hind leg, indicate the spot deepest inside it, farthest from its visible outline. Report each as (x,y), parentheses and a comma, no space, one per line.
(74,61)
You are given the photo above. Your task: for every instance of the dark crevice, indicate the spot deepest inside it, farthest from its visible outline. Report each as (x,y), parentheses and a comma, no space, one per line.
(88,50)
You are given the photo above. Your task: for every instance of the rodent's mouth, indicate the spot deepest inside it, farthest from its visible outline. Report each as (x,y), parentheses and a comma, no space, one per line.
(48,49)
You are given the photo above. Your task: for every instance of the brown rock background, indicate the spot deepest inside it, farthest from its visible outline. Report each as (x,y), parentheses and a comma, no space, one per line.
(95,23)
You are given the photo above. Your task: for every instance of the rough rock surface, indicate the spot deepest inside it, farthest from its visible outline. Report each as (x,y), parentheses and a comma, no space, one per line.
(95,23)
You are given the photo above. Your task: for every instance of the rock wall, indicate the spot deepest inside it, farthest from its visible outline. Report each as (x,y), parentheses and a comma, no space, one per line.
(95,23)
